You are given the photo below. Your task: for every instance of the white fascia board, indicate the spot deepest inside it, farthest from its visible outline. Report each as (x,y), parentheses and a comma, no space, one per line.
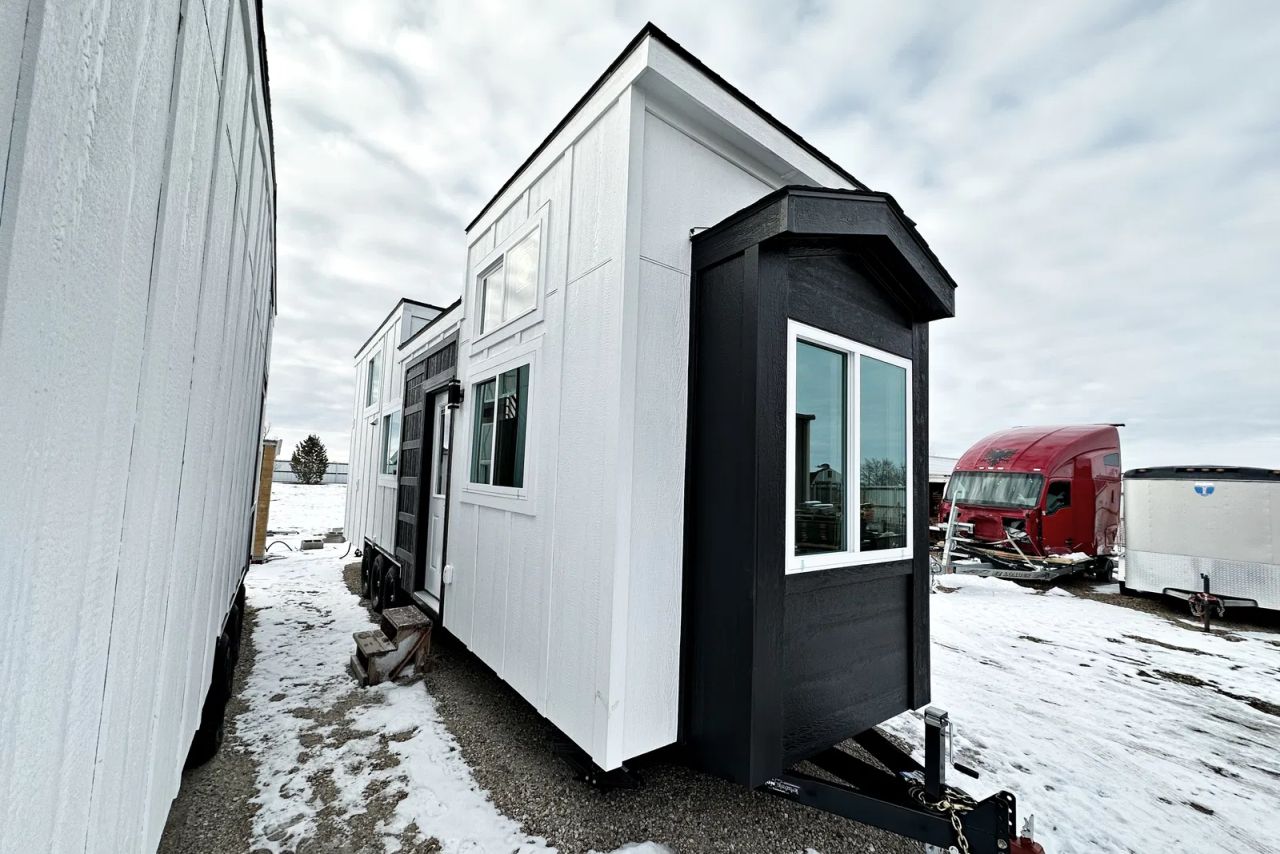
(687,90)
(581,122)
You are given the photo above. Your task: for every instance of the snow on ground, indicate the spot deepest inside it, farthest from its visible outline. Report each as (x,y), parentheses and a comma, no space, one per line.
(1118,729)
(326,749)
(306,509)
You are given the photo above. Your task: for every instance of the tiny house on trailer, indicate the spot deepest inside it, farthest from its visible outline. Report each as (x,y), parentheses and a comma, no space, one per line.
(376,422)
(400,515)
(685,496)
(1183,523)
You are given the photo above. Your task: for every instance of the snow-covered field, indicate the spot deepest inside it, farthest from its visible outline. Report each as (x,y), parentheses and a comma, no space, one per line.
(1118,729)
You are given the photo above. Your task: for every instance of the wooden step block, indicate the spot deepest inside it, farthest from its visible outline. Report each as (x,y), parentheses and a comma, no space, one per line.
(398,623)
(372,642)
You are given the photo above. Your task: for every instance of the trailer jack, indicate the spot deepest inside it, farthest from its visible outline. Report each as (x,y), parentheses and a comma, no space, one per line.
(911,800)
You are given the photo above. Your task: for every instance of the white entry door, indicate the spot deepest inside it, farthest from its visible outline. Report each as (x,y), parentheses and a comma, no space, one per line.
(436,502)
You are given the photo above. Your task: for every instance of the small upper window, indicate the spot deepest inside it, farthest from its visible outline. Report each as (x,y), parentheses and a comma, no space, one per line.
(1112,460)
(501,419)
(374,380)
(510,287)
(391,443)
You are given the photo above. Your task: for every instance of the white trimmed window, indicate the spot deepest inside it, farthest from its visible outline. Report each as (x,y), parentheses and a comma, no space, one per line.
(849,493)
(498,432)
(508,288)
(391,443)
(373,380)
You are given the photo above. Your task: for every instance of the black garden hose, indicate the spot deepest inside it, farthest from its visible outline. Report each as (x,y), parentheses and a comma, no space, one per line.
(280,542)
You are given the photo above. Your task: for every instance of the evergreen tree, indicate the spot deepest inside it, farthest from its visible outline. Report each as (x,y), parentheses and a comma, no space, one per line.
(310,461)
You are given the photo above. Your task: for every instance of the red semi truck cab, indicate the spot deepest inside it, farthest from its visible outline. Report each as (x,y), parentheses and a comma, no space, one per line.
(1061,485)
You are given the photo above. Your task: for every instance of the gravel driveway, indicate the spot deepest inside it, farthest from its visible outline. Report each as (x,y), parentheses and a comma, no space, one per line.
(508,747)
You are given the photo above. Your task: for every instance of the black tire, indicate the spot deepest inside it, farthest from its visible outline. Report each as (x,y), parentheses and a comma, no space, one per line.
(390,587)
(366,580)
(235,631)
(375,584)
(213,715)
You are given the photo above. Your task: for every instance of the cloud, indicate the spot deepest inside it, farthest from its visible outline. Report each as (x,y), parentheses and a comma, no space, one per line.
(1102,179)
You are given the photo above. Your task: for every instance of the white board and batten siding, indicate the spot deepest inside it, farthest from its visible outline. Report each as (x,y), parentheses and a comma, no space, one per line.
(371,494)
(570,588)
(137,265)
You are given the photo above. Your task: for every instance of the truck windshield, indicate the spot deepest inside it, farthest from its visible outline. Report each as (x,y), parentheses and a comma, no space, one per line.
(996,488)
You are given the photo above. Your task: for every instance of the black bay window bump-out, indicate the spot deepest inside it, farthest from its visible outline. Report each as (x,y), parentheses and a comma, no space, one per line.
(806,569)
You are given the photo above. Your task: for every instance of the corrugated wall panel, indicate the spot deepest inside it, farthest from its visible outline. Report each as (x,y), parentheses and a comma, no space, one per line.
(134,329)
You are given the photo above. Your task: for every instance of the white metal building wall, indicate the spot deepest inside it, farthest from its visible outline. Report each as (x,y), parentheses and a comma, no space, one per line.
(137,265)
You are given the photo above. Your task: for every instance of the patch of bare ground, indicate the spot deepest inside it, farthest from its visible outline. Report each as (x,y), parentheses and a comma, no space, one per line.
(1261,705)
(509,748)
(1175,610)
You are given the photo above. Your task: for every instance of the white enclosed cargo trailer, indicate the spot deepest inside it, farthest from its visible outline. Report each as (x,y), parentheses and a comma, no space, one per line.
(137,292)
(1182,522)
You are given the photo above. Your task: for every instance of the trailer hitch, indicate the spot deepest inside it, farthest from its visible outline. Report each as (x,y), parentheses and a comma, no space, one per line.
(912,800)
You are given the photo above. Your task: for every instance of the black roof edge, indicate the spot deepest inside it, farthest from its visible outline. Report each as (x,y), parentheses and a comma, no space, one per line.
(1203,473)
(804,189)
(650,30)
(390,314)
(430,323)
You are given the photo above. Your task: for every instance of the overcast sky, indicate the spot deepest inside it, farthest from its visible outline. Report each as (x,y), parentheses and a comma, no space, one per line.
(1101,179)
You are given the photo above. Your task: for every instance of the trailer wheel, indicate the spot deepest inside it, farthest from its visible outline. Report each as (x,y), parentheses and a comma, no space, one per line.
(390,587)
(213,715)
(235,630)
(375,584)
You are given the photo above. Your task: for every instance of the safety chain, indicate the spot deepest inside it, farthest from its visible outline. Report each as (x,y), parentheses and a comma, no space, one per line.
(953,804)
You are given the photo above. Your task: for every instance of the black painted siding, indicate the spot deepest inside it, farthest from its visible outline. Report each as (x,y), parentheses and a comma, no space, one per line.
(846,654)
(849,643)
(719,598)
(778,666)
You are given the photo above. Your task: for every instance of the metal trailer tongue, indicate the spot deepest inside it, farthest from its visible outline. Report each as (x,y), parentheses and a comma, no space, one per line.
(910,799)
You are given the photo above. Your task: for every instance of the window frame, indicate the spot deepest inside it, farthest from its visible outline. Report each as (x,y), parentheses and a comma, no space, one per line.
(523,500)
(384,422)
(372,388)
(853,555)
(440,451)
(497,257)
